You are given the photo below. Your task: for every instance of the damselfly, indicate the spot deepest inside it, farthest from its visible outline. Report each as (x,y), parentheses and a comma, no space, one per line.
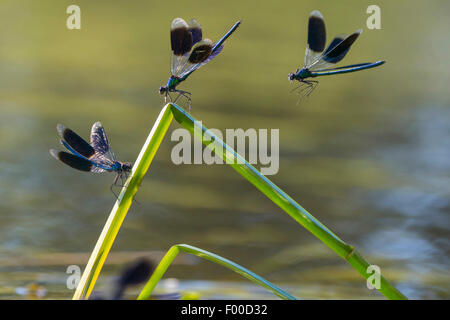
(319,62)
(189,52)
(94,157)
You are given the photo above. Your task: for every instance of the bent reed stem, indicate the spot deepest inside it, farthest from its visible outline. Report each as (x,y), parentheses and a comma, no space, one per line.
(167,260)
(123,203)
(267,187)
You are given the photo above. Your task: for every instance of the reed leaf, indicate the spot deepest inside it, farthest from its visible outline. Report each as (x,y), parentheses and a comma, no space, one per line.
(123,203)
(173,252)
(267,187)
(279,197)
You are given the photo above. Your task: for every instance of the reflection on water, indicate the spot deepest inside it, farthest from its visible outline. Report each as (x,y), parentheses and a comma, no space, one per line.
(368,154)
(422,203)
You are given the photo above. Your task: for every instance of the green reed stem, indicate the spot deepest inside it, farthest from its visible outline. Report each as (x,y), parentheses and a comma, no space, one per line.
(239,164)
(173,252)
(279,197)
(123,203)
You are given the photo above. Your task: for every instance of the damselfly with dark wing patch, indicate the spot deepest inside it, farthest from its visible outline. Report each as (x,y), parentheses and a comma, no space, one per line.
(94,157)
(321,63)
(189,52)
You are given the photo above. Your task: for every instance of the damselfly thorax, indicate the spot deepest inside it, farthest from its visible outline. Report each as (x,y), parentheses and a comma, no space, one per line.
(306,86)
(171,87)
(300,75)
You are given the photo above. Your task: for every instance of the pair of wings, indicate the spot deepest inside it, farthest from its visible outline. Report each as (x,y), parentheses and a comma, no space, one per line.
(94,157)
(315,56)
(189,50)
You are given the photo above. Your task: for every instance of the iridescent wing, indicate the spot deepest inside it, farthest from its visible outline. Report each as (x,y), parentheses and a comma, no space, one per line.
(205,52)
(198,57)
(81,149)
(213,54)
(335,52)
(74,143)
(316,37)
(100,143)
(189,60)
(196,30)
(338,39)
(182,40)
(75,161)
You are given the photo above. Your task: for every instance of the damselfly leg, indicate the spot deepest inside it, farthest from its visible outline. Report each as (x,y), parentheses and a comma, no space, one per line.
(312,84)
(185,94)
(306,87)
(123,179)
(114,184)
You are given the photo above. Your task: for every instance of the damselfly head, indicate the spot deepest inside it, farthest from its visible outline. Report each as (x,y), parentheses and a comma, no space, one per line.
(126,166)
(291,76)
(163,90)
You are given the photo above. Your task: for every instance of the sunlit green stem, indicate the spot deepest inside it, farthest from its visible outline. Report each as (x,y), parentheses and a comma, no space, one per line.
(267,187)
(173,252)
(123,203)
(279,197)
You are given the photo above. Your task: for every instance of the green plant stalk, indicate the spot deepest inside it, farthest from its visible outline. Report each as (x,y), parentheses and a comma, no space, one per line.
(123,203)
(279,197)
(173,252)
(274,193)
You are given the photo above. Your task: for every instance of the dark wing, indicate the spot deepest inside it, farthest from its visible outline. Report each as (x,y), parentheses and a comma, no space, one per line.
(181,39)
(198,57)
(316,37)
(335,52)
(74,161)
(202,50)
(196,30)
(338,39)
(214,54)
(74,143)
(208,52)
(81,149)
(338,52)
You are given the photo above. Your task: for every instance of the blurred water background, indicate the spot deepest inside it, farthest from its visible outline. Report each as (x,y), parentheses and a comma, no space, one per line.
(368,153)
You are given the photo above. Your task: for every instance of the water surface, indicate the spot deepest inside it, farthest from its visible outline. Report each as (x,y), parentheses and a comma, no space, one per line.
(367,154)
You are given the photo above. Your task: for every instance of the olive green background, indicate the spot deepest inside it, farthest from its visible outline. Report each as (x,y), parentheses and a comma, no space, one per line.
(367,153)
